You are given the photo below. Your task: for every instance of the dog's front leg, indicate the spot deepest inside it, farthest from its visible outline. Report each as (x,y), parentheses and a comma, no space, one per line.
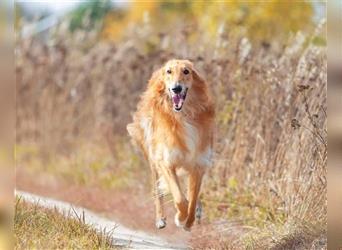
(179,199)
(158,199)
(195,180)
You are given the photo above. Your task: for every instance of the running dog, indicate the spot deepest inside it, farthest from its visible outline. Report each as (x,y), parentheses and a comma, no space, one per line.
(173,126)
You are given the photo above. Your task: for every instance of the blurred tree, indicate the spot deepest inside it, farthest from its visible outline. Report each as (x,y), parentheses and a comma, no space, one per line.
(17,15)
(258,20)
(158,13)
(116,20)
(88,14)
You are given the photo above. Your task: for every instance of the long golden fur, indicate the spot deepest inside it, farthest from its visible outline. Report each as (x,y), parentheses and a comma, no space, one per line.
(173,125)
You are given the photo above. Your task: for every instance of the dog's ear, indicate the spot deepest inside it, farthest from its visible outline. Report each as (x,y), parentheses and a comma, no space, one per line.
(157,81)
(197,76)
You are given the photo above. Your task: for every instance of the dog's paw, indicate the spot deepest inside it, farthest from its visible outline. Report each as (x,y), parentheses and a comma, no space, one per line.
(186,228)
(178,222)
(161,223)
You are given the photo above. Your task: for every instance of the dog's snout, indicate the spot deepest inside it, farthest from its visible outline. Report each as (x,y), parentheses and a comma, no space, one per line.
(177,89)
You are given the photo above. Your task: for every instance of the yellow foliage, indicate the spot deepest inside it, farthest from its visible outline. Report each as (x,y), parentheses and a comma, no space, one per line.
(259,20)
(232,183)
(114,24)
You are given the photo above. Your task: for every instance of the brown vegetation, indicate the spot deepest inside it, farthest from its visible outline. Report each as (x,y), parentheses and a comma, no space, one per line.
(75,96)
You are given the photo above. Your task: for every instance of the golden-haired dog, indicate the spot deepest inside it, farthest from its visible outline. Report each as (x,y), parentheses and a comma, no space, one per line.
(173,125)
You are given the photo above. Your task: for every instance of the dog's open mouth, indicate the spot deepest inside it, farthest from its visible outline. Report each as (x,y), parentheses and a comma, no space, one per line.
(178,100)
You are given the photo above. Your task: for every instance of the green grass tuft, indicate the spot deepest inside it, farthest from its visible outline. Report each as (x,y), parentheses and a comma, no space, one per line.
(40,228)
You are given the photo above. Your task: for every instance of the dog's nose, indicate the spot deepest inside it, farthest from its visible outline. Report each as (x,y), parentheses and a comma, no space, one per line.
(177,89)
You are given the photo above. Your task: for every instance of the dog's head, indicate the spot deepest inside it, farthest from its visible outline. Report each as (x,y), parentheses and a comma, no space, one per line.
(176,79)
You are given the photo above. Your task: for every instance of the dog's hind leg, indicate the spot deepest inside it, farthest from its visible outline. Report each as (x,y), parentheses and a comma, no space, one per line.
(158,200)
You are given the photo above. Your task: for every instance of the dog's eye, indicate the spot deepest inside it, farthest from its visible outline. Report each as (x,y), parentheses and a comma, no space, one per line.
(169,71)
(186,72)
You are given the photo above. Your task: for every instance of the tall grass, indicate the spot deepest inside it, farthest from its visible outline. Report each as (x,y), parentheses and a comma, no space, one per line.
(270,149)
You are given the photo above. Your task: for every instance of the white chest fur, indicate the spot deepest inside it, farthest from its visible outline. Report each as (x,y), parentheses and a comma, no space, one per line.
(191,140)
(174,156)
(202,158)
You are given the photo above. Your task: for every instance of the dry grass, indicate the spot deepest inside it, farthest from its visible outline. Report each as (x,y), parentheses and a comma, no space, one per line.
(271,147)
(87,164)
(40,228)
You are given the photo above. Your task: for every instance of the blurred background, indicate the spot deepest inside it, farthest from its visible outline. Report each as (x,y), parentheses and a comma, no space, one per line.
(7,128)
(81,67)
(335,125)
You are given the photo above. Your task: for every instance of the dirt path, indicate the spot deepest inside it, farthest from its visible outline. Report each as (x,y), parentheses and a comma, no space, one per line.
(122,235)
(132,207)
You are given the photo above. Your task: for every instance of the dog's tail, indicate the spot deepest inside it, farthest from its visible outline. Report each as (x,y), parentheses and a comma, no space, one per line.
(133,133)
(131,129)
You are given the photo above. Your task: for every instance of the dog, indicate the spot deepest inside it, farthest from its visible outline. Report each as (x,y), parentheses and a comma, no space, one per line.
(174,126)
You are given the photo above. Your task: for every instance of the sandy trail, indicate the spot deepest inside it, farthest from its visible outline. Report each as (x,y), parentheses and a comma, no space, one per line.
(122,236)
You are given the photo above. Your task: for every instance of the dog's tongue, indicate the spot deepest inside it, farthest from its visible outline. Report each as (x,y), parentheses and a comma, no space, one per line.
(176,99)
